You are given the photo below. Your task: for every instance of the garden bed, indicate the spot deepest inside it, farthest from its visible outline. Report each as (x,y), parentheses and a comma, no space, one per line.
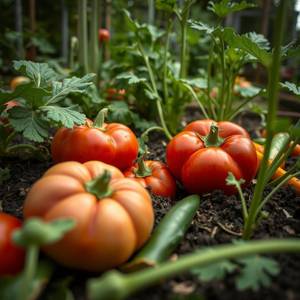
(218,221)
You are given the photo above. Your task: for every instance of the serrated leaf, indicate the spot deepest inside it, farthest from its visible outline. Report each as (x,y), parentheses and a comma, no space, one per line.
(40,73)
(292,87)
(133,25)
(130,78)
(225,7)
(246,44)
(256,272)
(197,25)
(120,112)
(259,39)
(151,95)
(64,116)
(60,90)
(29,123)
(215,271)
(248,92)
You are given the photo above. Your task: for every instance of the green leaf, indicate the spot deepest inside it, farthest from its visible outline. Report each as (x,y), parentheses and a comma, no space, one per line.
(292,87)
(197,25)
(166,5)
(248,92)
(200,83)
(130,78)
(64,116)
(151,95)
(231,180)
(37,232)
(215,271)
(225,7)
(120,112)
(253,47)
(29,123)
(256,272)
(133,25)
(40,73)
(60,90)
(259,40)
(10,286)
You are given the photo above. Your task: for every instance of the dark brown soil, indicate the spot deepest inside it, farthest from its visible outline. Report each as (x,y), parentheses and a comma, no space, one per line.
(217,216)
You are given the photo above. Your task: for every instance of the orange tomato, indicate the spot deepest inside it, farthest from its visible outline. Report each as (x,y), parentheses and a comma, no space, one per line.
(114,216)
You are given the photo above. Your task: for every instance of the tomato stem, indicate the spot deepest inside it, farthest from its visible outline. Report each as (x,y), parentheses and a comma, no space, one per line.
(100,185)
(115,285)
(99,121)
(212,139)
(142,170)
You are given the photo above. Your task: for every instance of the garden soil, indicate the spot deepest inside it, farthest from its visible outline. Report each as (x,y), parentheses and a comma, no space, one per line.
(218,221)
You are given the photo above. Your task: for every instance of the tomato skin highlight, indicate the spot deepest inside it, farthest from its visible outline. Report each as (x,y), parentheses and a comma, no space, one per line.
(203,169)
(161,182)
(115,144)
(103,35)
(11,256)
(108,229)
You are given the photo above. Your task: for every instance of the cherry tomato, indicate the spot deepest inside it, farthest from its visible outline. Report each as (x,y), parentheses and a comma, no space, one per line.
(11,256)
(160,181)
(103,35)
(113,143)
(114,215)
(115,94)
(203,164)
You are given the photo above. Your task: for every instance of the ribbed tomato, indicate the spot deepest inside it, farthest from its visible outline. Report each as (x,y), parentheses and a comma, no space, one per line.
(205,151)
(114,215)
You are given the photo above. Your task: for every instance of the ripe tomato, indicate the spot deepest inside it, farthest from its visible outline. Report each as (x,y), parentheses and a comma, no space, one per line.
(112,143)
(11,256)
(114,94)
(159,179)
(103,35)
(114,215)
(202,155)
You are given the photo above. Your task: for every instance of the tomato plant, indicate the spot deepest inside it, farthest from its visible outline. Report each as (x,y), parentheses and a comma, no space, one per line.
(112,143)
(204,152)
(113,214)
(11,256)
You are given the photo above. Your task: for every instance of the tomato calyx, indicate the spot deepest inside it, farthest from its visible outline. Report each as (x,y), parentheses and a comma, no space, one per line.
(99,121)
(142,170)
(212,139)
(99,186)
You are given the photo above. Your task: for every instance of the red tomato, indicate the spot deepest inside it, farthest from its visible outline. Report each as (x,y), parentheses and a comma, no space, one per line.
(204,166)
(103,35)
(160,181)
(113,143)
(11,256)
(114,215)
(114,94)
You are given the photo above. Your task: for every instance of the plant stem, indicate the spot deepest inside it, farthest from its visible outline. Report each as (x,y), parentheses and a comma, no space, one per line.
(83,38)
(100,185)
(100,118)
(21,147)
(244,205)
(165,66)
(29,271)
(94,63)
(271,117)
(115,286)
(154,87)
(222,98)
(145,134)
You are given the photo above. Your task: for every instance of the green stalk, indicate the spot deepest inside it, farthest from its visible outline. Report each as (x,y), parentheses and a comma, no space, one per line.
(21,147)
(165,69)
(145,134)
(222,98)
(73,51)
(271,117)
(154,88)
(83,38)
(29,271)
(94,63)
(115,285)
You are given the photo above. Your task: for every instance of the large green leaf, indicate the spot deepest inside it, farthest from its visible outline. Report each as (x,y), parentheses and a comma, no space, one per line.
(64,116)
(29,123)
(40,73)
(60,90)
